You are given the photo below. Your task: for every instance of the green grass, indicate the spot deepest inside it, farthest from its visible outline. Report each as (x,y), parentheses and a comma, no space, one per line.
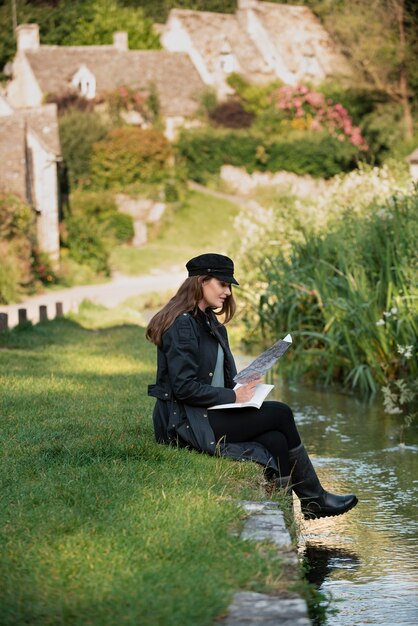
(99,524)
(201,224)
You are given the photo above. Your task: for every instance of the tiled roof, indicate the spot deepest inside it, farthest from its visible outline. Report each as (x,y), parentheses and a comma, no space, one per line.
(44,121)
(12,155)
(177,82)
(210,32)
(297,33)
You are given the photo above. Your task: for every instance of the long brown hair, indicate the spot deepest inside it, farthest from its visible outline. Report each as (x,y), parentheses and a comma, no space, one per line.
(186,300)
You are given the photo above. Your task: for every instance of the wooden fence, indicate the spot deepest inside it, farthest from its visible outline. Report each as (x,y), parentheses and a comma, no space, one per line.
(23,315)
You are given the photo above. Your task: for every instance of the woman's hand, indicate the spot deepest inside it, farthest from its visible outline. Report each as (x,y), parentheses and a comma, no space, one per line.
(246,392)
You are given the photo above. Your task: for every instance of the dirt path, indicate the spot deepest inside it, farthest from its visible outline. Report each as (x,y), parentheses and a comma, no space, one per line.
(115,291)
(108,294)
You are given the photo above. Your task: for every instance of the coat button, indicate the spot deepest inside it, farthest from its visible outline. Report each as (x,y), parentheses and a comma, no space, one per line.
(210,373)
(187,426)
(205,414)
(174,413)
(166,395)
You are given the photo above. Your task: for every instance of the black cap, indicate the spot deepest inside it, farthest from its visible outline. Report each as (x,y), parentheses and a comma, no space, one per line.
(216,265)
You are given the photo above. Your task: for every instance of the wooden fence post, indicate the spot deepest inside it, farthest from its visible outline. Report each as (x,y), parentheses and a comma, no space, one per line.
(43,314)
(4,321)
(59,309)
(22,316)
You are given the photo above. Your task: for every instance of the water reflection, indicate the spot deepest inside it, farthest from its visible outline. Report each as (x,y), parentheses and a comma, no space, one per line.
(366,559)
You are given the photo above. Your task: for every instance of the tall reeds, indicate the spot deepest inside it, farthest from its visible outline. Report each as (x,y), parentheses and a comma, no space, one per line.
(349,297)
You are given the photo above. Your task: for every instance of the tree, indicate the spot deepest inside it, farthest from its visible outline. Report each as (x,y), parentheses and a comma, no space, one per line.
(75,22)
(380,40)
(106,17)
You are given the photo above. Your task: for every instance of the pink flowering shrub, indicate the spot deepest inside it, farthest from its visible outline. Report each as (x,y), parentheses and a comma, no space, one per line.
(310,110)
(126,99)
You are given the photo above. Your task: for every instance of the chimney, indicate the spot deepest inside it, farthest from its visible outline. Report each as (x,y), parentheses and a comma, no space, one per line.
(120,41)
(27,36)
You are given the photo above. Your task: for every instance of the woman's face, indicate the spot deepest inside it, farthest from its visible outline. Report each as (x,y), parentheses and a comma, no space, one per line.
(215,293)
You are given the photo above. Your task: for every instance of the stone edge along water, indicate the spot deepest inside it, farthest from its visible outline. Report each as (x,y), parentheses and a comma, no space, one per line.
(266,523)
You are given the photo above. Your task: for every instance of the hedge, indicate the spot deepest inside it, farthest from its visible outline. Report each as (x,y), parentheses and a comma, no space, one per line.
(320,155)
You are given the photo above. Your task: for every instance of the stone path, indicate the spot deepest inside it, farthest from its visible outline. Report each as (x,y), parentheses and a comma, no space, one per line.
(109,294)
(266,523)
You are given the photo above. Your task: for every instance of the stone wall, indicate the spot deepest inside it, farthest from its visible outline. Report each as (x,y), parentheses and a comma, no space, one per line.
(145,212)
(241,182)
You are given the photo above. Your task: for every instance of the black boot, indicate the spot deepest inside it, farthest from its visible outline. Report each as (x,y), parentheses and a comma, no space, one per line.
(315,501)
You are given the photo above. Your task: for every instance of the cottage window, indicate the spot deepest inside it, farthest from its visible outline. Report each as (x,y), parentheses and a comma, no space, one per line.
(85,82)
(227,60)
(228,63)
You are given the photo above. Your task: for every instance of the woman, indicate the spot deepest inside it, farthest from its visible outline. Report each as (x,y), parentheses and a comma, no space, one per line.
(195,370)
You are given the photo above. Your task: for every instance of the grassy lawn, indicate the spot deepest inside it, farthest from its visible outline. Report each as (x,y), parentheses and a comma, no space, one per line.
(99,524)
(201,224)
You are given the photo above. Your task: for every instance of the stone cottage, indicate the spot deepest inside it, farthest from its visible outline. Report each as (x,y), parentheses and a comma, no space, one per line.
(262,41)
(29,156)
(92,71)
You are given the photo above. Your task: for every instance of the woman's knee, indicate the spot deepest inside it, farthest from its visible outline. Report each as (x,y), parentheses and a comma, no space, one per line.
(279,410)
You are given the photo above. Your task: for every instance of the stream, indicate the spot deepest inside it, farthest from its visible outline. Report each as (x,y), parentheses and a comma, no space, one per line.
(365,561)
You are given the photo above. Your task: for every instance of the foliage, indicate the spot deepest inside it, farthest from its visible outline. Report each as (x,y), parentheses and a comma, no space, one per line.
(255,98)
(79,131)
(125,99)
(107,17)
(381,43)
(85,244)
(93,227)
(231,114)
(17,239)
(318,154)
(130,155)
(90,500)
(348,295)
(280,108)
(306,109)
(42,268)
(159,11)
(70,100)
(208,100)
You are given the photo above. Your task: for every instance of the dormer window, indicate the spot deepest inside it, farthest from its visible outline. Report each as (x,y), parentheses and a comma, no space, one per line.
(228,62)
(85,82)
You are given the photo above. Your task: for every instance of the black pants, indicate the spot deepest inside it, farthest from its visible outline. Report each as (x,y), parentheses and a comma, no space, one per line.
(272,425)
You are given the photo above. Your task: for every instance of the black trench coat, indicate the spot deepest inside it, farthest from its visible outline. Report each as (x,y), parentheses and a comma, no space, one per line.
(185,364)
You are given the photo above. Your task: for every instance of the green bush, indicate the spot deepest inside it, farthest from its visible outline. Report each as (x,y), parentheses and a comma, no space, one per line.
(85,242)
(79,130)
(130,155)
(17,239)
(92,227)
(101,208)
(317,154)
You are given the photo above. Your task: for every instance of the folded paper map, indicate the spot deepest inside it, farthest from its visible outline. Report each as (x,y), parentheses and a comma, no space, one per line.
(264,362)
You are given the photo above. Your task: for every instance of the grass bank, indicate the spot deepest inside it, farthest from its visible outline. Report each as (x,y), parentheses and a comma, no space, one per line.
(99,524)
(200,223)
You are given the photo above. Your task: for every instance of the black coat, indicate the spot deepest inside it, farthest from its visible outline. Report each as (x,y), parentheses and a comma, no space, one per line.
(185,364)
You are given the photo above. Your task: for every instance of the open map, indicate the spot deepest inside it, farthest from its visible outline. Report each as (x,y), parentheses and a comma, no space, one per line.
(264,362)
